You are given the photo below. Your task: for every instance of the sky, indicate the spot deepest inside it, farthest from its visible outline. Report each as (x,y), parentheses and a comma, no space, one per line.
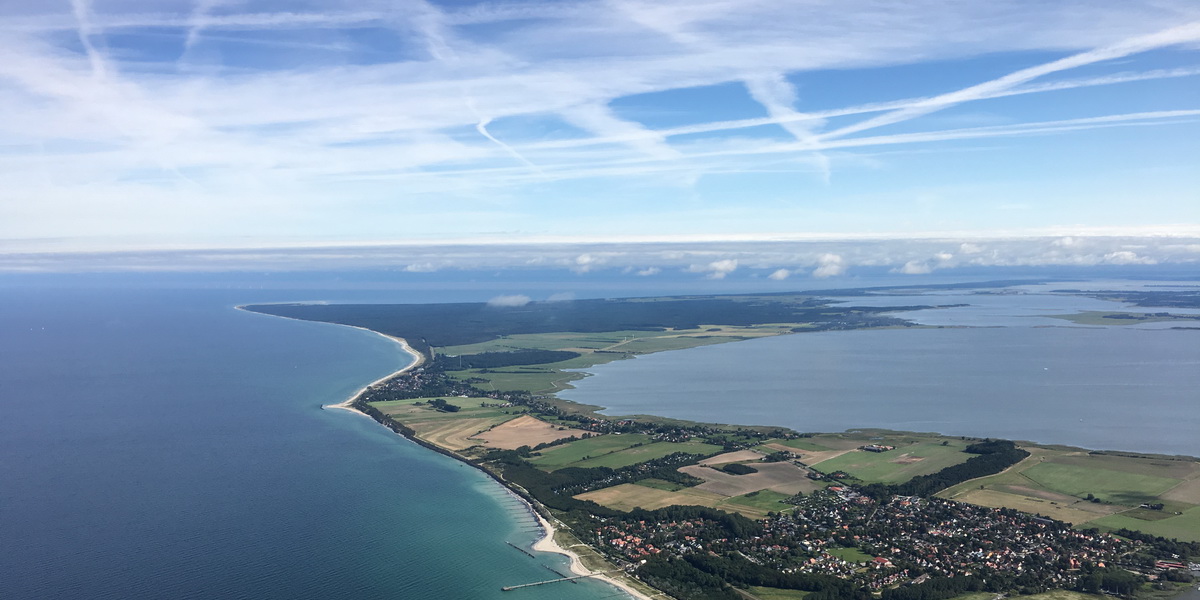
(150,125)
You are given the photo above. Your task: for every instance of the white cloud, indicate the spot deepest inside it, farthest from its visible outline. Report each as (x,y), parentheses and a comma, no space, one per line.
(509,300)
(780,274)
(829,265)
(561,297)
(716,269)
(649,271)
(1125,257)
(330,132)
(914,267)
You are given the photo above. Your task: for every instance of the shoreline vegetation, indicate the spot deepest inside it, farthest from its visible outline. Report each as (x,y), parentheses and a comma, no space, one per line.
(564,460)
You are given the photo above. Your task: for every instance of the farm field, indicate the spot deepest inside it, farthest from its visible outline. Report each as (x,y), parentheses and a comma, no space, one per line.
(1118,487)
(1094,317)
(1184,527)
(525,431)
(768,593)
(756,505)
(899,465)
(574,452)
(782,477)
(634,455)
(800,444)
(629,496)
(1055,482)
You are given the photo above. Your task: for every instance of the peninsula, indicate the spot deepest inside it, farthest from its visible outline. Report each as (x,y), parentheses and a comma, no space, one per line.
(700,510)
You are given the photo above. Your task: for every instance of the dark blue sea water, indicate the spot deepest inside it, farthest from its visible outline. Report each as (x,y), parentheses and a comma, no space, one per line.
(157,443)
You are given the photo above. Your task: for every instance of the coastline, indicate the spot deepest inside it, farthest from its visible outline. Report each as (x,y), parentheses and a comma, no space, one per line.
(418,360)
(547,542)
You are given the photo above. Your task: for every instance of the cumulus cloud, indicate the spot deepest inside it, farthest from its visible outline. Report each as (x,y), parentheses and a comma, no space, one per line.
(914,267)
(780,274)
(969,248)
(648,271)
(1125,257)
(829,265)
(510,300)
(717,269)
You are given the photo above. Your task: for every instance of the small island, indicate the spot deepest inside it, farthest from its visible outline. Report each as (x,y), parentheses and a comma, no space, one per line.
(702,511)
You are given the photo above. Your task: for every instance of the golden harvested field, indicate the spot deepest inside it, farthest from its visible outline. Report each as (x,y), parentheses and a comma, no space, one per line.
(525,431)
(628,496)
(455,434)
(1188,491)
(732,457)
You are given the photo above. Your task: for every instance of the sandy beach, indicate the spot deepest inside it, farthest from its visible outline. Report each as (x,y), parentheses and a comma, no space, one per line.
(418,360)
(547,544)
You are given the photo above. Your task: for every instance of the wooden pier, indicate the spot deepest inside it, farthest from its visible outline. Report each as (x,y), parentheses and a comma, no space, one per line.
(571,579)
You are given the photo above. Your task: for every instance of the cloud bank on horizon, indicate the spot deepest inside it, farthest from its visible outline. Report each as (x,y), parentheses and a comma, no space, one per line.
(776,260)
(150,124)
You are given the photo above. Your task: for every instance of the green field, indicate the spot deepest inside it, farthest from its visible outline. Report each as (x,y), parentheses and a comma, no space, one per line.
(659,484)
(558,457)
(542,379)
(850,554)
(899,465)
(1184,527)
(551,341)
(417,409)
(1118,487)
(756,504)
(1095,317)
(767,593)
(799,444)
(632,456)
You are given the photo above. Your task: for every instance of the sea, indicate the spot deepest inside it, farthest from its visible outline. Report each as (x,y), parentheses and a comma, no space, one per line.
(156,442)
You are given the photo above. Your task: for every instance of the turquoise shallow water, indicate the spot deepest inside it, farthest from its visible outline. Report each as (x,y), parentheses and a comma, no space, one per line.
(160,444)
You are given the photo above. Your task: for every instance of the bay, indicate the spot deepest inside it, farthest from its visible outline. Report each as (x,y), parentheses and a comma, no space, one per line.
(1012,372)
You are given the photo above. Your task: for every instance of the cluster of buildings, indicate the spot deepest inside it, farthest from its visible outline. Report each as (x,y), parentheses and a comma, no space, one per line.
(637,539)
(904,540)
(939,537)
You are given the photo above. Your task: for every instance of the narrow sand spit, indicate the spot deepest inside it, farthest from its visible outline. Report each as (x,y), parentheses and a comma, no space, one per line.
(418,360)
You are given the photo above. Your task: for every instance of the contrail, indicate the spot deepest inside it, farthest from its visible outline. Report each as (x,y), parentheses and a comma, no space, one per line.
(481,127)
(83,10)
(1168,37)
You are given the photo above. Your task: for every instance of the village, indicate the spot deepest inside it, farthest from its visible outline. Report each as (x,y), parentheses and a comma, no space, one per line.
(905,541)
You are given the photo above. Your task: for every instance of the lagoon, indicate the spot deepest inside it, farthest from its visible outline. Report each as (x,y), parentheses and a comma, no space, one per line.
(1036,379)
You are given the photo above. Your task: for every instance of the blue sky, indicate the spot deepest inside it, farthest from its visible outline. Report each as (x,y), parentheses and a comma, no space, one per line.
(154,124)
